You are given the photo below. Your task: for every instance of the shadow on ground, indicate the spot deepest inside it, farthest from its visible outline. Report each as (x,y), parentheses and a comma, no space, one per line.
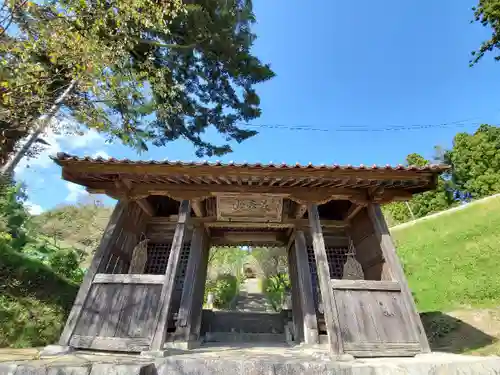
(451,335)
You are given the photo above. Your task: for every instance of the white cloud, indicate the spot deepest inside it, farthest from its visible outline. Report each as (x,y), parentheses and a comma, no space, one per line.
(75,192)
(101,154)
(62,142)
(34,209)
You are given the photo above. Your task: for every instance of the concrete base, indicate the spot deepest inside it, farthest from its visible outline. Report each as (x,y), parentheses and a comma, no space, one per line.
(251,361)
(55,350)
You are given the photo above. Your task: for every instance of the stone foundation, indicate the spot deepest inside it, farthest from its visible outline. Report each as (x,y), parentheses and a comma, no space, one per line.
(269,360)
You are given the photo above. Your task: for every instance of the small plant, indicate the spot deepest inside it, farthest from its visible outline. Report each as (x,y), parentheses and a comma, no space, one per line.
(275,289)
(224,289)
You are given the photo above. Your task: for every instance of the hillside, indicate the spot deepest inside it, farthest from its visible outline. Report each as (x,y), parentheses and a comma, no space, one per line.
(451,261)
(74,226)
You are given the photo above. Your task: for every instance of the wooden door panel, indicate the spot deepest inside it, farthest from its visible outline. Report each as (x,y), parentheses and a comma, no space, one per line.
(374,319)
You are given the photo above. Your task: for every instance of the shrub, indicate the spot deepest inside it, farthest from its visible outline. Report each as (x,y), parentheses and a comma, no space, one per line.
(275,288)
(34,301)
(224,289)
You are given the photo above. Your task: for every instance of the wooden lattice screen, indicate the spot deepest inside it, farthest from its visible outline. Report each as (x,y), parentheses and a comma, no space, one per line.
(336,256)
(156,264)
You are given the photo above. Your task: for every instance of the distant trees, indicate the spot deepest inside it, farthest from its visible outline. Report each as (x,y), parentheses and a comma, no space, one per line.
(475,172)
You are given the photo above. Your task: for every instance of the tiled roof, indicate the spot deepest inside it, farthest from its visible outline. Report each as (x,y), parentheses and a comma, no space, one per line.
(61,158)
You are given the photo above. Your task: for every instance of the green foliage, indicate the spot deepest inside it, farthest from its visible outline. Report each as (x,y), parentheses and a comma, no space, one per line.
(476,161)
(275,288)
(487,12)
(145,72)
(224,289)
(34,301)
(451,260)
(13,214)
(422,204)
(227,260)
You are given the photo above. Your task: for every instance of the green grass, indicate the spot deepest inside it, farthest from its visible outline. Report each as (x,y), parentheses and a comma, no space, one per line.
(34,301)
(453,261)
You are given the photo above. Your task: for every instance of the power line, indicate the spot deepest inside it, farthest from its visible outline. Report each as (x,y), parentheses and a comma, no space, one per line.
(365,128)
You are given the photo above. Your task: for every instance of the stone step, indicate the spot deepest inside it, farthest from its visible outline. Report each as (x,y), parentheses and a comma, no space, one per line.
(247,322)
(235,337)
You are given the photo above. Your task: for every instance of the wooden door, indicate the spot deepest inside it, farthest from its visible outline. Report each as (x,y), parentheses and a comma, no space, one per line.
(374,319)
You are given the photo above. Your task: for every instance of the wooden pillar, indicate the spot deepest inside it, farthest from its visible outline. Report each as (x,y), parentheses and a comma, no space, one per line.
(323,270)
(192,280)
(110,234)
(297,315)
(199,293)
(161,321)
(310,321)
(392,260)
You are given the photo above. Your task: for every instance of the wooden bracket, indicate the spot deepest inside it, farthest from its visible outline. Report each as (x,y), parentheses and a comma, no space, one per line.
(353,211)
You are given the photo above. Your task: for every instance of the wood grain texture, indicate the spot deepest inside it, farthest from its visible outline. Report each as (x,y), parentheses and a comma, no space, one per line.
(110,343)
(310,323)
(375,322)
(365,285)
(167,292)
(188,291)
(103,278)
(119,310)
(111,231)
(389,252)
(297,313)
(329,305)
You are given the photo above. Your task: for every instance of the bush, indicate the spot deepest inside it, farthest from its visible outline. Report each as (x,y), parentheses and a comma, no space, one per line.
(275,288)
(224,289)
(34,301)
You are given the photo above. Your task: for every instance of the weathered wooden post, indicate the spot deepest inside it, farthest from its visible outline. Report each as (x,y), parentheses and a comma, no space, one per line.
(161,321)
(329,305)
(191,305)
(311,334)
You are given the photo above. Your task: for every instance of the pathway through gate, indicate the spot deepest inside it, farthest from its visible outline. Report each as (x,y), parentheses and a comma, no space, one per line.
(250,321)
(251,298)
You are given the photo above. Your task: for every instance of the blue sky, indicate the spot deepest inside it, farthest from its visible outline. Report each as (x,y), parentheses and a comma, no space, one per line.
(339,64)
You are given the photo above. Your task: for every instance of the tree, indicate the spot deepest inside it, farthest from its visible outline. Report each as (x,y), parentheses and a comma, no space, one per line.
(476,161)
(144,72)
(421,204)
(13,214)
(487,12)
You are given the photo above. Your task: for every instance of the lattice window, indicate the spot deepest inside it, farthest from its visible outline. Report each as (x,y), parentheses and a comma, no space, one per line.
(156,264)
(336,257)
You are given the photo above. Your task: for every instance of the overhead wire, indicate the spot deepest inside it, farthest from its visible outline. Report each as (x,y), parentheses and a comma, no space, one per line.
(366,128)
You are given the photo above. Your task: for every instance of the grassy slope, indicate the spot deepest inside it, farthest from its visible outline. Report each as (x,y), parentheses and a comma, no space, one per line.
(34,301)
(452,261)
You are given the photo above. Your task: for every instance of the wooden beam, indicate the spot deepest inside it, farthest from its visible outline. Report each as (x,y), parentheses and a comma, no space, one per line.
(146,206)
(198,207)
(353,211)
(392,260)
(193,191)
(110,234)
(106,278)
(310,330)
(329,304)
(301,210)
(167,291)
(392,286)
(286,223)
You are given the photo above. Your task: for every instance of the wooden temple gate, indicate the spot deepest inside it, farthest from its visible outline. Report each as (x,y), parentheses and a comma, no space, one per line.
(145,285)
